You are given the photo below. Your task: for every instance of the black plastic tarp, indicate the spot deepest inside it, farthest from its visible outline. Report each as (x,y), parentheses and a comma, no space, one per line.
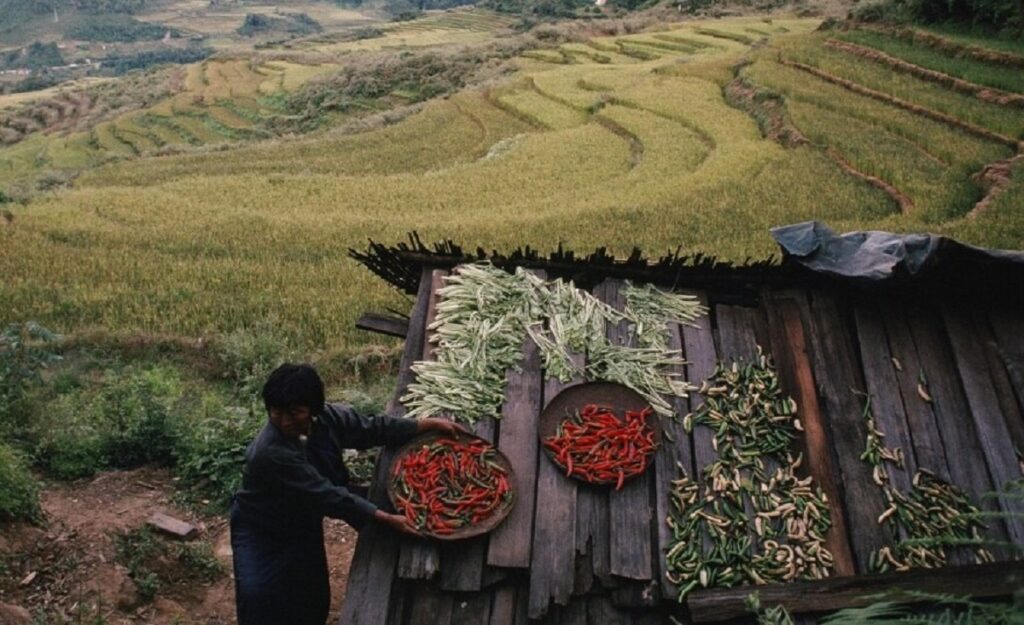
(885,257)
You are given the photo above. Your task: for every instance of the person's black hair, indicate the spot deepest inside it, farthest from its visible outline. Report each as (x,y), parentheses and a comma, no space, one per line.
(293,385)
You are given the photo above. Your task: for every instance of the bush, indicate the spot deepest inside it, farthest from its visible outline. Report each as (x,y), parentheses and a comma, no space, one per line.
(113,28)
(25,349)
(211,450)
(247,356)
(19,490)
(125,422)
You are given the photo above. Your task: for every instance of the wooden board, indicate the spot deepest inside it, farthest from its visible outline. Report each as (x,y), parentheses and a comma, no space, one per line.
(420,559)
(959,437)
(929,452)
(676,450)
(593,547)
(1008,328)
(471,609)
(629,509)
(989,420)
(554,534)
(788,315)
(429,606)
(510,544)
(370,590)
(825,595)
(383,324)
(701,359)
(999,372)
(838,376)
(503,606)
(884,390)
(463,563)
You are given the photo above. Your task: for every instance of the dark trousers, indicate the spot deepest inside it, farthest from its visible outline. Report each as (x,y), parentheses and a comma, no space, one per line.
(280,577)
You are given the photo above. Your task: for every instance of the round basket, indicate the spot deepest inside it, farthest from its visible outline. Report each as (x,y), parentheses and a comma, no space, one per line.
(484,526)
(620,399)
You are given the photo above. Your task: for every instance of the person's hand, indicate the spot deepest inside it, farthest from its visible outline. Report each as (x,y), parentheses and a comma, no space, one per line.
(396,522)
(444,426)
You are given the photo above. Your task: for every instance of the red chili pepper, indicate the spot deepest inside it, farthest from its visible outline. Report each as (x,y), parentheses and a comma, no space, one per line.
(598,446)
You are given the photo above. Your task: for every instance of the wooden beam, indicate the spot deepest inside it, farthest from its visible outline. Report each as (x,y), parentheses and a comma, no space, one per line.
(384,324)
(511,541)
(370,591)
(825,595)
(786,313)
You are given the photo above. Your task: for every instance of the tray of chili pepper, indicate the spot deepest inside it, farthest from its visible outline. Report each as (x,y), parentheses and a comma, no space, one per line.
(600,433)
(451,486)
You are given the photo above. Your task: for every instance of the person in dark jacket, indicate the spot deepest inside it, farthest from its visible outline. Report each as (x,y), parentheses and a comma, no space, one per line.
(294,477)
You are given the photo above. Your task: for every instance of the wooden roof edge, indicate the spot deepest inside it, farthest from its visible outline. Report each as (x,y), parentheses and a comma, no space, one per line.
(401,265)
(997,579)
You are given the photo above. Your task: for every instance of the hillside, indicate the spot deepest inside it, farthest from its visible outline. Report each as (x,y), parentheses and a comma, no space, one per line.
(700,134)
(185,228)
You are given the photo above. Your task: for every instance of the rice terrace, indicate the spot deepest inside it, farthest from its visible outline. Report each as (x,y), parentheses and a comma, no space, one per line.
(182,183)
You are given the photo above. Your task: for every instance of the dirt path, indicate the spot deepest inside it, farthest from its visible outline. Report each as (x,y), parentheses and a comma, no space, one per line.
(68,567)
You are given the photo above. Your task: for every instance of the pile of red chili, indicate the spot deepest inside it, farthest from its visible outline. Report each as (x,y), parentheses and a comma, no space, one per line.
(449,484)
(597,446)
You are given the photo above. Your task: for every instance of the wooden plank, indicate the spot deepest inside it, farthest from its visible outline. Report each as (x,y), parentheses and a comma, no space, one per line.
(637,595)
(929,452)
(959,437)
(510,542)
(838,376)
(462,562)
(701,359)
(629,509)
(593,546)
(420,559)
(430,606)
(884,390)
(601,611)
(826,595)
(554,529)
(676,450)
(470,609)
(999,371)
(383,324)
(1008,327)
(736,338)
(737,343)
(503,606)
(786,313)
(573,614)
(370,590)
(989,420)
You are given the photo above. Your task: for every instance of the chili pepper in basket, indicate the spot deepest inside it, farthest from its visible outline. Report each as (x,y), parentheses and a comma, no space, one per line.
(599,447)
(449,484)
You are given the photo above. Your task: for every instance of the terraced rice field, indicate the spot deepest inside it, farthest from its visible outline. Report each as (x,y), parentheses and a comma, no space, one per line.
(703,135)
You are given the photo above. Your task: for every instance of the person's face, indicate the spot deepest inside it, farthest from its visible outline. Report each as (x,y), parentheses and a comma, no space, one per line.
(293,422)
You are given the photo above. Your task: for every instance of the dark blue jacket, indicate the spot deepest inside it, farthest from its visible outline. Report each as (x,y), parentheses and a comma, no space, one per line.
(290,485)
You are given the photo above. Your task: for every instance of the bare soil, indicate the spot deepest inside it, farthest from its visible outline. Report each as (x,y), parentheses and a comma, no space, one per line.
(67,567)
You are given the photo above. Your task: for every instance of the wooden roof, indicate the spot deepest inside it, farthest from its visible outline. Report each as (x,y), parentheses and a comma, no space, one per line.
(578,555)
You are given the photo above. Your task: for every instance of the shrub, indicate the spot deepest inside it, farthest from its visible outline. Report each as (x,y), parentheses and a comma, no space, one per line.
(113,28)
(125,421)
(19,490)
(211,451)
(25,349)
(248,355)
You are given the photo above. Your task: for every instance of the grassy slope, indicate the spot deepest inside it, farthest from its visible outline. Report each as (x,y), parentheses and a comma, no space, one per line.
(639,150)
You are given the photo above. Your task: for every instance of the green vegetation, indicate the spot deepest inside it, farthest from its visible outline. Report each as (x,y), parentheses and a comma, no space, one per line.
(114,28)
(35,56)
(290,23)
(19,489)
(960,67)
(153,561)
